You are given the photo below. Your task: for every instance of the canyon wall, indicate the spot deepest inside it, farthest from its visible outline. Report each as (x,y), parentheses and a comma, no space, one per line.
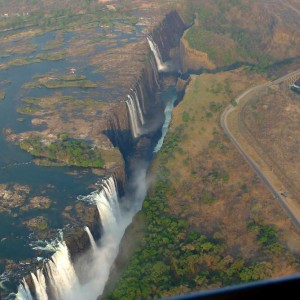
(168,33)
(131,124)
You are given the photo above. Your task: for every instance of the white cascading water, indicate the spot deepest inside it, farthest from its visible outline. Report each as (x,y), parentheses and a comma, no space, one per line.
(138,106)
(61,273)
(95,268)
(64,283)
(155,69)
(40,285)
(114,222)
(142,97)
(161,66)
(91,238)
(168,116)
(133,117)
(23,291)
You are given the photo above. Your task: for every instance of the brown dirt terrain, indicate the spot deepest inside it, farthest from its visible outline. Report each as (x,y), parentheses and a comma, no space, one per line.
(215,189)
(256,31)
(271,125)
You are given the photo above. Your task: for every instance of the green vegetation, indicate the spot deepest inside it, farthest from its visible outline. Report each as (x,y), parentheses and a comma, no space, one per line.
(174,257)
(199,39)
(31,100)
(2,95)
(215,176)
(267,237)
(233,102)
(52,56)
(56,43)
(69,83)
(63,81)
(42,225)
(21,62)
(185,117)
(31,85)
(171,143)
(197,211)
(66,16)
(71,152)
(219,33)
(28,110)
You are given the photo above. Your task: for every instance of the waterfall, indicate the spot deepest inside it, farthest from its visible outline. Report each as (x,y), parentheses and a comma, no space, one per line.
(57,275)
(133,116)
(114,222)
(168,117)
(142,96)
(40,285)
(135,112)
(108,206)
(161,66)
(61,272)
(155,70)
(91,238)
(138,106)
(23,291)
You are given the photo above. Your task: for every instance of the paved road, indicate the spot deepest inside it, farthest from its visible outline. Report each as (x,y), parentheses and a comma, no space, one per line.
(294,217)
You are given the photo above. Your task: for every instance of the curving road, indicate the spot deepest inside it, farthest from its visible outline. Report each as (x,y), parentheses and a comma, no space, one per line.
(291,211)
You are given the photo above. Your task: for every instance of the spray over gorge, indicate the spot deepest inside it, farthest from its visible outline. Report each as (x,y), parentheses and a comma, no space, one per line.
(87,142)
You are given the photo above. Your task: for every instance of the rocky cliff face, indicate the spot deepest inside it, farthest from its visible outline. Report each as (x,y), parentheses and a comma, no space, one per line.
(139,112)
(131,124)
(191,59)
(167,34)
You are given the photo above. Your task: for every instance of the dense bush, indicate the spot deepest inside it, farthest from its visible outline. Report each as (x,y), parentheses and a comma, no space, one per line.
(72,152)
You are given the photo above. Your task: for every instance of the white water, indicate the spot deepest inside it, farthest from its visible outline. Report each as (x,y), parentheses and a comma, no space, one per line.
(142,97)
(165,127)
(91,238)
(95,268)
(154,68)
(114,222)
(161,66)
(133,117)
(61,273)
(23,292)
(40,285)
(138,106)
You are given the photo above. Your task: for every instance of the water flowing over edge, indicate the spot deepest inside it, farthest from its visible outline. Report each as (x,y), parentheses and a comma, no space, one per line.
(96,264)
(165,127)
(161,66)
(58,279)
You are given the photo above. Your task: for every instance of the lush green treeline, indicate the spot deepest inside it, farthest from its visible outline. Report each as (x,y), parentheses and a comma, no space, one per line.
(70,152)
(175,258)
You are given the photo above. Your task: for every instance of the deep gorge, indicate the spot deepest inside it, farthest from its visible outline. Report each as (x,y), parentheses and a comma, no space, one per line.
(134,126)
